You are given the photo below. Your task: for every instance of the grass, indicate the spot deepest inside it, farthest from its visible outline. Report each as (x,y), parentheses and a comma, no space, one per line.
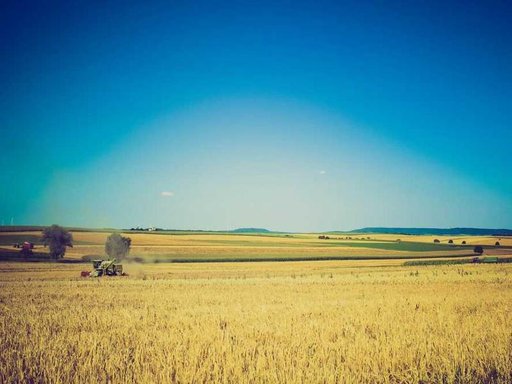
(308,322)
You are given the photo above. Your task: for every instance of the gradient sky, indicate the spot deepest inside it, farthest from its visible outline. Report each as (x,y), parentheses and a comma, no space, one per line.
(300,116)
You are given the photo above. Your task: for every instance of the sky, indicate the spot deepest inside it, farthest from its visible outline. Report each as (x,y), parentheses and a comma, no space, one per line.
(285,115)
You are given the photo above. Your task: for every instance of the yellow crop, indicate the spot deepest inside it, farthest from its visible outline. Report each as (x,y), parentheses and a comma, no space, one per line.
(289,322)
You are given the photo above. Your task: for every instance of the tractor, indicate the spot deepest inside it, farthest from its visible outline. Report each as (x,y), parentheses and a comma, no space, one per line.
(27,245)
(25,248)
(105,268)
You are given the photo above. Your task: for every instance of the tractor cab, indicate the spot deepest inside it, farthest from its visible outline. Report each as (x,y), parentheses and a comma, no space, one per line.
(106,268)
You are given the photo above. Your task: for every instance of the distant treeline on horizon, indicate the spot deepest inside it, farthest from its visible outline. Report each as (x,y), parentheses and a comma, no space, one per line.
(436,231)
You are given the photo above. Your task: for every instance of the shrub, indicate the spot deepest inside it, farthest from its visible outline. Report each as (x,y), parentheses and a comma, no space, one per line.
(478,249)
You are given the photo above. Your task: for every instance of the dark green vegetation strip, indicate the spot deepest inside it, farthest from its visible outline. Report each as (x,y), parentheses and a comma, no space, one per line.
(408,246)
(458,261)
(39,257)
(235,259)
(16,256)
(13,238)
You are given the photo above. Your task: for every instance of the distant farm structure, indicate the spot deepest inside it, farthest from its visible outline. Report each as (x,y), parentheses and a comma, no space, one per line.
(149,229)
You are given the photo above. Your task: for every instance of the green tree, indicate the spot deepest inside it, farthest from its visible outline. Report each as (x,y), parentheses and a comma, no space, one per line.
(478,249)
(57,239)
(117,246)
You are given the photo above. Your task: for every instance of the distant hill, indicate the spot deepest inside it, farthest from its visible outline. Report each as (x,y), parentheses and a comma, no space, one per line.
(250,230)
(435,231)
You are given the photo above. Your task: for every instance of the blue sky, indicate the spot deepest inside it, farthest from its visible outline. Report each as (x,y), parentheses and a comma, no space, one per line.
(286,115)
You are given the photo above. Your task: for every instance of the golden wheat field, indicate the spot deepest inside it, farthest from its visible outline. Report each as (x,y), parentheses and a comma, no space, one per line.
(288,322)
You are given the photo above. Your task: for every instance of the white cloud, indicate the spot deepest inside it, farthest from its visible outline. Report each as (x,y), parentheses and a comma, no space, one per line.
(322,172)
(167,194)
